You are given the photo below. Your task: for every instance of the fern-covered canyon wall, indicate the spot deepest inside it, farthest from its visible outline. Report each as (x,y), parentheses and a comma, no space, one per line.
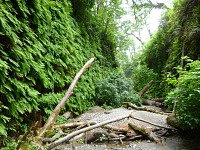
(43,44)
(178,31)
(173,53)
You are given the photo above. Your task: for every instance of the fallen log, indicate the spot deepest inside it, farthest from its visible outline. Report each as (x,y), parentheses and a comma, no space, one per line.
(158,100)
(151,103)
(71,135)
(157,125)
(135,137)
(129,104)
(57,135)
(112,128)
(61,104)
(113,134)
(94,136)
(146,132)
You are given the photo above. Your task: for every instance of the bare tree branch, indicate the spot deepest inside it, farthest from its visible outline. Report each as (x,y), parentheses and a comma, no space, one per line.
(61,104)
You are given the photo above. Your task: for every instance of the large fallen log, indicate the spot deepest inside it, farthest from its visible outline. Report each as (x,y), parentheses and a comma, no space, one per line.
(145,131)
(115,128)
(61,104)
(71,135)
(112,134)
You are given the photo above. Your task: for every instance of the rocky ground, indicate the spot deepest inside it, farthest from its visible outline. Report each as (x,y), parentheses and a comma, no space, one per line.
(170,142)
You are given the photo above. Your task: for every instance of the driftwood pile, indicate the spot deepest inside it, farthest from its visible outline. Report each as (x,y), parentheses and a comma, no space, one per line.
(89,131)
(92,132)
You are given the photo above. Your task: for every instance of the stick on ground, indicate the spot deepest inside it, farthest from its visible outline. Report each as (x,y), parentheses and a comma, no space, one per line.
(71,135)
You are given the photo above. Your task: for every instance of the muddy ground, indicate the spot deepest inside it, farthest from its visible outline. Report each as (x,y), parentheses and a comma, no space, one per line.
(175,141)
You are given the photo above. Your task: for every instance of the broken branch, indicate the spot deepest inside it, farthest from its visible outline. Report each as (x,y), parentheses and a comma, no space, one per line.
(61,104)
(71,135)
(72,125)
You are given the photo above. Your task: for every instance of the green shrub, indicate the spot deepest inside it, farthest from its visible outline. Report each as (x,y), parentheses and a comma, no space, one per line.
(187,96)
(114,90)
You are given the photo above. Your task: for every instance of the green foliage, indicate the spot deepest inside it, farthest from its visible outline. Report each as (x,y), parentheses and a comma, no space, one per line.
(61,120)
(186,95)
(114,90)
(178,32)
(43,45)
(41,49)
(10,144)
(155,52)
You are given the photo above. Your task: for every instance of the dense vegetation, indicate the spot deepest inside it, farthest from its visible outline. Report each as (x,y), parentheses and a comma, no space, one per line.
(114,90)
(186,95)
(178,36)
(43,44)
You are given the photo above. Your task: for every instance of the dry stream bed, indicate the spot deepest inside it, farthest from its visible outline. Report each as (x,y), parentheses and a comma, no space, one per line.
(166,140)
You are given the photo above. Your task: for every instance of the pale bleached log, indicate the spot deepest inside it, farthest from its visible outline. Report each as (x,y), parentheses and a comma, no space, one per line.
(71,135)
(146,132)
(72,125)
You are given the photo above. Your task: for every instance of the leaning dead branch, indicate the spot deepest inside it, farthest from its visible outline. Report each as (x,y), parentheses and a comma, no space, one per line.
(61,104)
(71,135)
(145,88)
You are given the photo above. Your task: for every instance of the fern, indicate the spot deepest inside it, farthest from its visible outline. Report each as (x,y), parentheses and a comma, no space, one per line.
(41,50)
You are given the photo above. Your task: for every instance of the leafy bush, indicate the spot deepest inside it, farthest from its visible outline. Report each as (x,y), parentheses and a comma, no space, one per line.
(187,96)
(114,90)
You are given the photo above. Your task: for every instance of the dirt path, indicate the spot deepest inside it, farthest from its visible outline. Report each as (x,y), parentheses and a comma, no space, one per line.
(174,142)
